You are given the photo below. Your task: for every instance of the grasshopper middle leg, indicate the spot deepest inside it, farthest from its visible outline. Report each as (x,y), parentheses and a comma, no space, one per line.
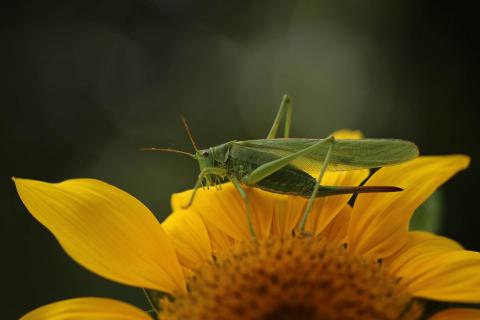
(244,196)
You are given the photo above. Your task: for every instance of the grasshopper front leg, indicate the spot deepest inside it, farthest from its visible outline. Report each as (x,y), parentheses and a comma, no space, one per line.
(211,170)
(285,110)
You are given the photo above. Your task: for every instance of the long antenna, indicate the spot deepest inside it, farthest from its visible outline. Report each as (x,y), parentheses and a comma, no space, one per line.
(185,124)
(168,150)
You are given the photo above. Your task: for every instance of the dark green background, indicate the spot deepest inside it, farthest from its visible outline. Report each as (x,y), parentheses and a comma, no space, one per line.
(86,83)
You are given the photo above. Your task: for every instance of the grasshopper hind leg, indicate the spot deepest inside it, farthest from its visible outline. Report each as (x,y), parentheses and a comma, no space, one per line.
(308,208)
(285,111)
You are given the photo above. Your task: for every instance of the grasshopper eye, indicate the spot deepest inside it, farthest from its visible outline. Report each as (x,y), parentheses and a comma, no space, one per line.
(205,153)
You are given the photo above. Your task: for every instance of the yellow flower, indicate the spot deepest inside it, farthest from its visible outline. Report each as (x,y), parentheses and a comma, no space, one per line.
(359,263)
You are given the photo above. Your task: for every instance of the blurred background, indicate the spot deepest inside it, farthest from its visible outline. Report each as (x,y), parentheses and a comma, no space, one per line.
(86,83)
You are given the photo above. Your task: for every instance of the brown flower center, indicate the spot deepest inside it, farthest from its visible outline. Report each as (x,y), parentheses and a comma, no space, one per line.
(291,278)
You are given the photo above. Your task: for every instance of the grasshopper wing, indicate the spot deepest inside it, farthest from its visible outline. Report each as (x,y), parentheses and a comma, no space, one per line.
(346,154)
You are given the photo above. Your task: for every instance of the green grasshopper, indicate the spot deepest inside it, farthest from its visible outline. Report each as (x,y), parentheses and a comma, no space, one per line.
(280,165)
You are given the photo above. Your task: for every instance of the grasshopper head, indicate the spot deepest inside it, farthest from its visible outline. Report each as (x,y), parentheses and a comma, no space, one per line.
(206,159)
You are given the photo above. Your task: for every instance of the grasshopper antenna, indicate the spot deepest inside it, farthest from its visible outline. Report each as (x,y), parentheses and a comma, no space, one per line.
(185,124)
(168,150)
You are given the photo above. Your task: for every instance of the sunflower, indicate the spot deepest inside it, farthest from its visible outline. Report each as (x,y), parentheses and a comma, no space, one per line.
(358,262)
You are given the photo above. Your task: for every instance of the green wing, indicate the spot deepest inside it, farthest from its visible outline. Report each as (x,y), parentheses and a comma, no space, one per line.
(346,154)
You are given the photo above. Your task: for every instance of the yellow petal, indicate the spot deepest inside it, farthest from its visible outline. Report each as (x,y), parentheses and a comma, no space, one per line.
(336,231)
(420,245)
(106,230)
(347,134)
(187,273)
(218,239)
(325,209)
(262,205)
(189,237)
(272,214)
(452,276)
(283,212)
(287,211)
(380,221)
(457,314)
(225,210)
(87,308)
